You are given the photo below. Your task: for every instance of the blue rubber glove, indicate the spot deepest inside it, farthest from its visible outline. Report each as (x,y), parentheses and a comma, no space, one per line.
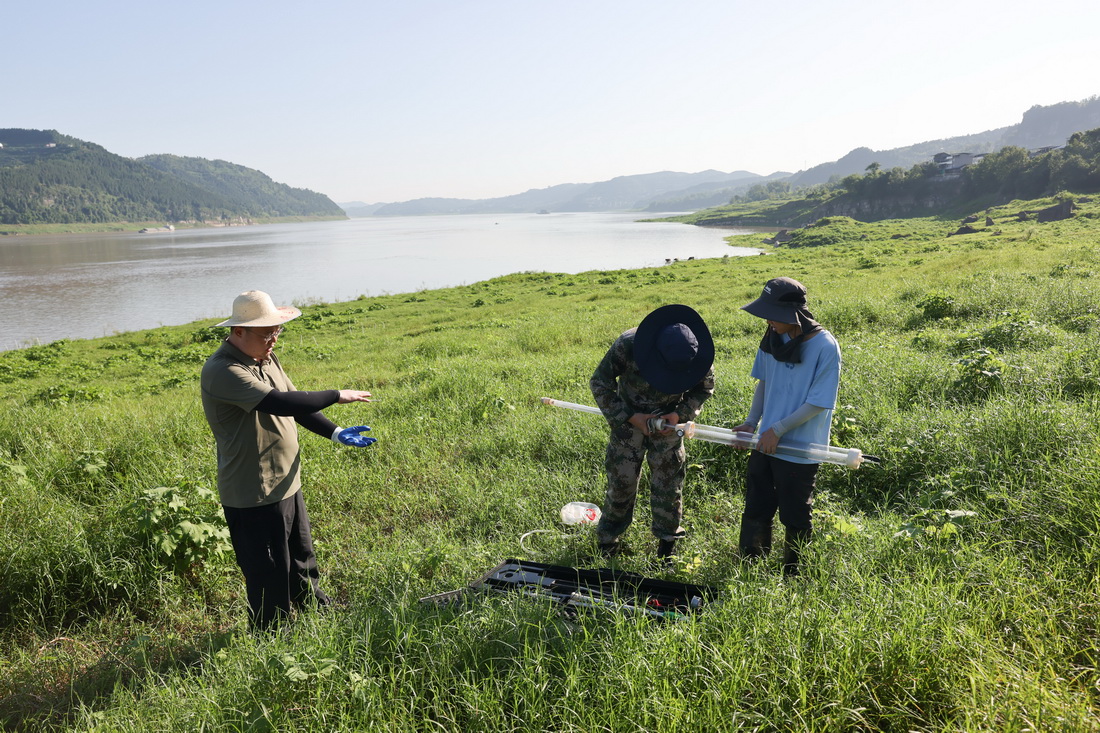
(353,437)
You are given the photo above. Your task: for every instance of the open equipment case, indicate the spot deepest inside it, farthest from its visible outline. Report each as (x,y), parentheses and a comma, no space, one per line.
(576,588)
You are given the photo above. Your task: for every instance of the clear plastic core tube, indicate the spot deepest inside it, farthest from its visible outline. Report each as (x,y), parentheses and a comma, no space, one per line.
(849,457)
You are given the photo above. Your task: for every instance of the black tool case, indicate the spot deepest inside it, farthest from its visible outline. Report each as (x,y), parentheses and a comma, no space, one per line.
(578,588)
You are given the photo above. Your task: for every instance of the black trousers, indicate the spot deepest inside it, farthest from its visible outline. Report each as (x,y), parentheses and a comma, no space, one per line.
(274,550)
(774,484)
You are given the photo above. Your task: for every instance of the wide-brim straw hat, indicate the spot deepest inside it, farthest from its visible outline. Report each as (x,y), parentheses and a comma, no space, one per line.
(255,308)
(673,348)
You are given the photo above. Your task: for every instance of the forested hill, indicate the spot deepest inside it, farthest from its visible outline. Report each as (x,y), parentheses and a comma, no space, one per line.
(50,178)
(245,186)
(1010,174)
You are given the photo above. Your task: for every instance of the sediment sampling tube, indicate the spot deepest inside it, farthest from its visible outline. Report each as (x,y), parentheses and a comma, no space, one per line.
(848,457)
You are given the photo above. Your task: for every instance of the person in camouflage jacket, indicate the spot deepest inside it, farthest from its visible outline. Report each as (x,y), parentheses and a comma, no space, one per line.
(661,369)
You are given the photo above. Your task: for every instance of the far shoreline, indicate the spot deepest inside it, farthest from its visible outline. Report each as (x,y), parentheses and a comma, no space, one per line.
(135,227)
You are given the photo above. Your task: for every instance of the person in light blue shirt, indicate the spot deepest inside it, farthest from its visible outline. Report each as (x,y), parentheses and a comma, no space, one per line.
(797,369)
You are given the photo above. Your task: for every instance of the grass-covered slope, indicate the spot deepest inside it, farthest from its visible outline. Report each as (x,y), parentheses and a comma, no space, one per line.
(952,588)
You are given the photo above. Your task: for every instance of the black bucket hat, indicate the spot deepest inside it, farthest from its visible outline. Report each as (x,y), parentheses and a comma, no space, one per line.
(782,299)
(673,348)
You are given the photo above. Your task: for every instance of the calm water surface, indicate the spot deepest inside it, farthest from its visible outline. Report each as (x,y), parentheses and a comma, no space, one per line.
(86,286)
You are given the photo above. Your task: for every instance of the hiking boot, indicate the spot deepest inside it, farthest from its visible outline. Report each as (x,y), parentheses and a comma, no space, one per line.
(665,550)
(794,542)
(609,549)
(755,540)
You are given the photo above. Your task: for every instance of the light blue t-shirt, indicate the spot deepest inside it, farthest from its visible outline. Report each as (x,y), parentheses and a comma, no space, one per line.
(787,386)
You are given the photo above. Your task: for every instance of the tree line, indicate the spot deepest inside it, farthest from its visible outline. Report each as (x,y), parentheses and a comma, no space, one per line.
(1009,173)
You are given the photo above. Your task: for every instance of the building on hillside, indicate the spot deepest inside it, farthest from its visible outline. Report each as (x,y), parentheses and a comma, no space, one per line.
(951,164)
(961,160)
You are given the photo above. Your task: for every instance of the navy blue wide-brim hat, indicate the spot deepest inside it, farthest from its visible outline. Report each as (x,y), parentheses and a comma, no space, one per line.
(673,348)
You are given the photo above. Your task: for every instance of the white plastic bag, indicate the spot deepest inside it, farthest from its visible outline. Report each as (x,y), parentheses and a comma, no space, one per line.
(580,512)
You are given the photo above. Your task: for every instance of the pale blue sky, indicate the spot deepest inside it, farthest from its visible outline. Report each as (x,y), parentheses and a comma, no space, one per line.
(389,101)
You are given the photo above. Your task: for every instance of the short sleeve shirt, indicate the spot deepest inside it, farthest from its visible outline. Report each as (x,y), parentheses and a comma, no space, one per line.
(788,386)
(258,458)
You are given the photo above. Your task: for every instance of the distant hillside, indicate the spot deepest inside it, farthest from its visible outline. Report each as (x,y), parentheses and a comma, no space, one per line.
(359,208)
(624,193)
(1040,127)
(705,195)
(668,191)
(638,192)
(47,177)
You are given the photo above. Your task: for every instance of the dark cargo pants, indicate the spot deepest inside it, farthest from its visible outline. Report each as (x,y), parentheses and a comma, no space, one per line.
(627,448)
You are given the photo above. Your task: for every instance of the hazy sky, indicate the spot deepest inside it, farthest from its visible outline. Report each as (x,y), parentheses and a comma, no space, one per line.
(390,101)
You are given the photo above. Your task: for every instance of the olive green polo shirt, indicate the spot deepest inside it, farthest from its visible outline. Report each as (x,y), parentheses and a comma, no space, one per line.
(258,459)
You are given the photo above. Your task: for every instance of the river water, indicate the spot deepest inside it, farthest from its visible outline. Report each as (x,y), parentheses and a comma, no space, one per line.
(90,285)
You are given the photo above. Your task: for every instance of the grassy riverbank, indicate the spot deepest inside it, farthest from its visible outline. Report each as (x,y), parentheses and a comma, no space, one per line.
(953,588)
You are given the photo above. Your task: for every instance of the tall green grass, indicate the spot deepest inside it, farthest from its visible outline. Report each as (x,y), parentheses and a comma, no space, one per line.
(952,588)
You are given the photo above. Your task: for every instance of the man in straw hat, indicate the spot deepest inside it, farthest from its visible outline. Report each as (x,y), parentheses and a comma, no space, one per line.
(661,369)
(253,410)
(797,369)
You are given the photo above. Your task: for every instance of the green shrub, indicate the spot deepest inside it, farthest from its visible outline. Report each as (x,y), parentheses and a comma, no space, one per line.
(936,306)
(207,335)
(979,374)
(935,523)
(64,394)
(1010,331)
(182,525)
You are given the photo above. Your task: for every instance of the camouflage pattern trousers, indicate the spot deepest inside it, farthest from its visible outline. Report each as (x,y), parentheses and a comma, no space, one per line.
(665,454)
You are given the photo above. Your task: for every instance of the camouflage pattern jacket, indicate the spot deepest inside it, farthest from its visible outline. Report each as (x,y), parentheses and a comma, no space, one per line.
(620,390)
